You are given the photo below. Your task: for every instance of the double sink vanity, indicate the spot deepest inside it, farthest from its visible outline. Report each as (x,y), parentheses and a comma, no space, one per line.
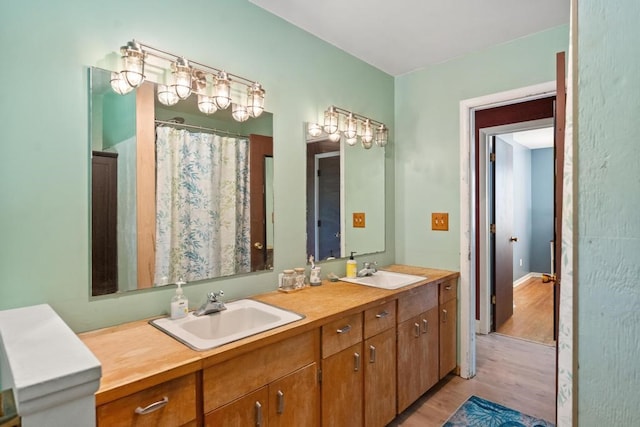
(336,354)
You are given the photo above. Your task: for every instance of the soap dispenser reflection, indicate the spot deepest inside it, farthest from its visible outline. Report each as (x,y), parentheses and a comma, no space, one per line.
(179,303)
(352,267)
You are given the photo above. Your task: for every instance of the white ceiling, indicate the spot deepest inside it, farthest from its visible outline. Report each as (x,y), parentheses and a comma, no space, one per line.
(401,36)
(536,138)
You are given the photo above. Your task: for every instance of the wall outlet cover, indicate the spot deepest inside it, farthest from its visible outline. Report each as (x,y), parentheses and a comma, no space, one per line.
(358,220)
(440,221)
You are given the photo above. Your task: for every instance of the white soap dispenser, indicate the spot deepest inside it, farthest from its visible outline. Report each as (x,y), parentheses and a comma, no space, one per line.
(179,303)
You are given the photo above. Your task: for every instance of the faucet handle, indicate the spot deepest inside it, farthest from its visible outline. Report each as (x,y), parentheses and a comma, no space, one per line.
(213,296)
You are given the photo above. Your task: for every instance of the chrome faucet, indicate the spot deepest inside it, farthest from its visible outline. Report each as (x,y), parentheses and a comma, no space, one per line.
(212,305)
(368,269)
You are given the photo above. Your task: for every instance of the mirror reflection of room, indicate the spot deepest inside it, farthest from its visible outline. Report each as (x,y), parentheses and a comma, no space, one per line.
(177,194)
(345,185)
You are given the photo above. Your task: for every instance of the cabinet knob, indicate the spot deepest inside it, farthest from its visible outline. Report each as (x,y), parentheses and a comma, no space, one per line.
(344,329)
(372,354)
(152,407)
(258,414)
(445,315)
(425,326)
(280,395)
(356,362)
(417,326)
(382,314)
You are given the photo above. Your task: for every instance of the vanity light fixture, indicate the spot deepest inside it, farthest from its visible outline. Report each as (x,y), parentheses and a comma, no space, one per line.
(216,89)
(352,127)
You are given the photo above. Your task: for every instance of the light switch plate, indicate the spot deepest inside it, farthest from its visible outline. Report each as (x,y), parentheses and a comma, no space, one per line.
(358,220)
(440,221)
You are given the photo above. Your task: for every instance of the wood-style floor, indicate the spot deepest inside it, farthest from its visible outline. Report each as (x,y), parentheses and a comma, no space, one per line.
(532,312)
(512,372)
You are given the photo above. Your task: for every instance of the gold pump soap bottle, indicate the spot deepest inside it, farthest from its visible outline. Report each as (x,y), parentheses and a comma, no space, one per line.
(352,267)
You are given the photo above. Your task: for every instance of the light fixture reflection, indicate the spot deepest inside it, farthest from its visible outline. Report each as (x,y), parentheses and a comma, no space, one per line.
(167,95)
(206,104)
(367,133)
(382,135)
(119,84)
(352,141)
(351,127)
(239,112)
(314,130)
(334,137)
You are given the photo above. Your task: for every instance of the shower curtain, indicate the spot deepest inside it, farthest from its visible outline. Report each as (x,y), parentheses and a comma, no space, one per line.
(202,206)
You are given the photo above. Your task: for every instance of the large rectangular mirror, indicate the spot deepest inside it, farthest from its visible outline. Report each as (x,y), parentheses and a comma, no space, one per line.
(345,198)
(177,195)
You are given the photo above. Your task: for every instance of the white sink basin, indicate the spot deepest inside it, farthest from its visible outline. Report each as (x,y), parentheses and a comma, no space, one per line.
(241,319)
(386,280)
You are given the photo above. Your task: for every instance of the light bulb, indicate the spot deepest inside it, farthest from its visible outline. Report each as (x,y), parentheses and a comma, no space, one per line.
(314,130)
(239,112)
(206,104)
(182,78)
(222,90)
(331,120)
(255,100)
(334,137)
(351,128)
(119,84)
(167,95)
(352,141)
(366,144)
(133,63)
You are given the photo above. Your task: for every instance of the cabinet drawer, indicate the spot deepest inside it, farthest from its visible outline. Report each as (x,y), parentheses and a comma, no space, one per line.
(379,319)
(229,380)
(416,301)
(448,290)
(179,409)
(341,333)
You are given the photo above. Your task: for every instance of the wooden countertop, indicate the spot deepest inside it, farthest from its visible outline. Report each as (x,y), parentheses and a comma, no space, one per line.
(136,355)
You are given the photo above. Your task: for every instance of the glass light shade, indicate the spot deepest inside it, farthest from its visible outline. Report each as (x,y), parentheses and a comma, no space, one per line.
(314,130)
(206,104)
(334,137)
(239,112)
(351,127)
(367,133)
(366,144)
(352,141)
(167,95)
(182,78)
(119,84)
(222,90)
(255,100)
(331,121)
(132,64)
(382,136)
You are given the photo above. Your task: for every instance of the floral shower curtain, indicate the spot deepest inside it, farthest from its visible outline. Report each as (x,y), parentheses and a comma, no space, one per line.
(202,206)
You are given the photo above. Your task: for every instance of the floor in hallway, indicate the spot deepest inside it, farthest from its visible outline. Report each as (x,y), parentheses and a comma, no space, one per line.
(515,373)
(532,312)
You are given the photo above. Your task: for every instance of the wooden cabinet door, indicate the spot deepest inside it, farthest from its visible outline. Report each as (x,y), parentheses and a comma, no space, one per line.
(448,338)
(417,356)
(249,410)
(342,388)
(380,379)
(294,399)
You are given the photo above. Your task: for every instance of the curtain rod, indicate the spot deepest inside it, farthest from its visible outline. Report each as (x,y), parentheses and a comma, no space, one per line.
(170,123)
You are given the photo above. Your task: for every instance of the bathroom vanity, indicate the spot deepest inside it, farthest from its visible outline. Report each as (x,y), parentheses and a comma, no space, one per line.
(360,356)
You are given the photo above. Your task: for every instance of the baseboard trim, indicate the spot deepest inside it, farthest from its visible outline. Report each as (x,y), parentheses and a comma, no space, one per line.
(526,277)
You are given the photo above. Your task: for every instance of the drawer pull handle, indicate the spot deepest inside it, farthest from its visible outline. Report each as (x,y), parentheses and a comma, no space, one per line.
(280,402)
(417,329)
(447,288)
(344,329)
(445,316)
(382,314)
(258,414)
(372,354)
(425,326)
(153,407)
(356,360)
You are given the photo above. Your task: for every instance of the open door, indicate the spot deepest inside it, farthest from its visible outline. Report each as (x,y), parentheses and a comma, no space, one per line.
(502,232)
(260,147)
(560,121)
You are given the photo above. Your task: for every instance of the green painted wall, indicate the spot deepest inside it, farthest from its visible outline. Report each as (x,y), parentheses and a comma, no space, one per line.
(608,200)
(428,136)
(44,167)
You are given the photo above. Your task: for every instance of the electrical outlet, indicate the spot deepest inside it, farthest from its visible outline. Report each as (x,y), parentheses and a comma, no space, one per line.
(520,262)
(358,220)
(440,221)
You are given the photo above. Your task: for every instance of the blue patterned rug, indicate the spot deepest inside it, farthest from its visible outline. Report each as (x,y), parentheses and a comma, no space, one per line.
(482,413)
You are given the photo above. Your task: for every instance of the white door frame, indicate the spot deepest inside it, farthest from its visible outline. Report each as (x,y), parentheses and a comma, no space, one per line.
(467,211)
